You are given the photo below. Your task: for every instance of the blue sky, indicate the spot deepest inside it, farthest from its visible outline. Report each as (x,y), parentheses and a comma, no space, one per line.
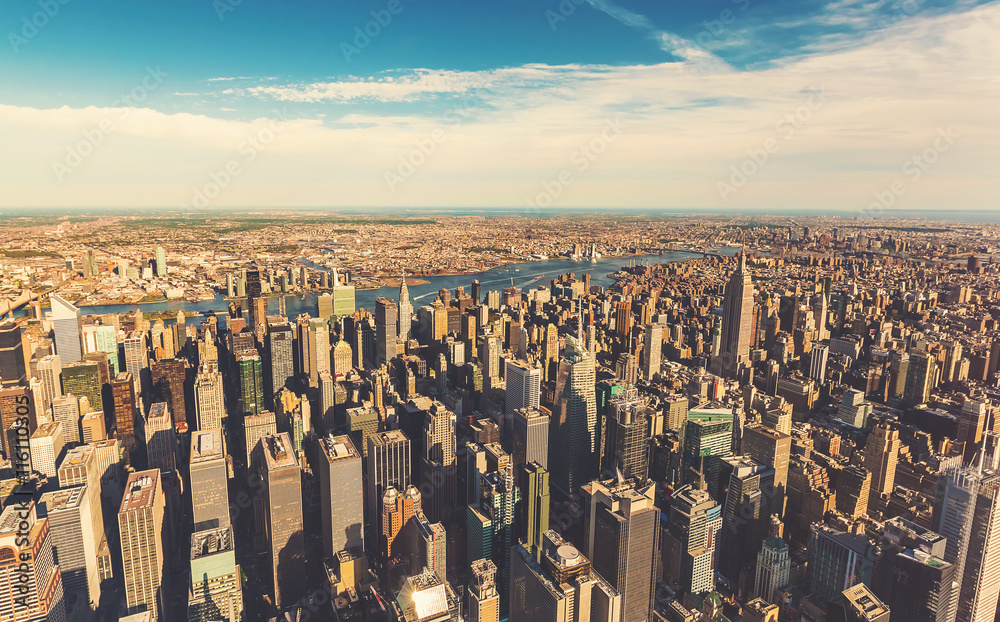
(579,103)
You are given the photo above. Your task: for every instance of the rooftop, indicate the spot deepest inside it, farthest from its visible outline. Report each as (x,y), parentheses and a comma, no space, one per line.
(140,490)
(338,448)
(206,445)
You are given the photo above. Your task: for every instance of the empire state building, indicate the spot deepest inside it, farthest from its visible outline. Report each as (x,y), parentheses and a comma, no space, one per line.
(737,318)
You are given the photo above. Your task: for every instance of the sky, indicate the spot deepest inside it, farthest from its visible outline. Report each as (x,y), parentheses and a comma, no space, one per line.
(868,105)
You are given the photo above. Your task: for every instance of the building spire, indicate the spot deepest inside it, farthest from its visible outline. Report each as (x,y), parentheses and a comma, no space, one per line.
(336,279)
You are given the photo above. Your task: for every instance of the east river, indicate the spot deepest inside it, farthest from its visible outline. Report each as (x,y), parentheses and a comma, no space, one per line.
(526,276)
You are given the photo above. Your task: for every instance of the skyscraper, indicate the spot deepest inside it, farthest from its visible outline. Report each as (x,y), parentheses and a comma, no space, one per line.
(439,466)
(80,467)
(209,397)
(575,421)
(50,373)
(881,455)
(817,362)
(209,480)
(385,329)
(83,379)
(530,438)
(523,391)
(140,523)
(912,578)
(745,518)
(773,449)
(279,512)
(737,312)
(708,438)
(837,561)
(282,361)
(622,533)
(652,350)
(256,427)
(563,587)
(627,434)
(773,568)
(398,507)
(169,377)
(692,532)
(405,311)
(343,297)
(69,515)
(341,505)
(123,402)
(216,582)
(31,587)
(484,600)
(161,262)
(919,377)
(13,364)
(251,383)
(533,510)
(388,463)
(967,513)
(158,434)
(318,349)
(66,323)
(66,410)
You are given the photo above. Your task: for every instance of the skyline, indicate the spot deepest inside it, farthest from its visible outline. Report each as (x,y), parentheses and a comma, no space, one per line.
(892,105)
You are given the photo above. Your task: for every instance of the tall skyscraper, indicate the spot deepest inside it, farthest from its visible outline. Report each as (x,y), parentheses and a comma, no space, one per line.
(279,512)
(533,510)
(66,410)
(574,422)
(140,523)
(209,480)
(484,600)
(919,377)
(837,561)
(282,360)
(318,349)
(773,448)
(216,581)
(912,578)
(70,519)
(388,463)
(256,427)
(440,469)
(31,586)
(68,328)
(627,435)
(81,467)
(818,357)
(158,434)
(773,568)
(881,455)
(652,350)
(169,380)
(692,532)
(123,402)
(83,379)
(343,297)
(50,373)
(46,444)
(621,530)
(137,361)
(967,513)
(745,518)
(209,397)
(523,391)
(13,364)
(737,312)
(561,588)
(530,438)
(161,262)
(708,439)
(250,374)
(385,329)
(341,504)
(398,507)
(405,311)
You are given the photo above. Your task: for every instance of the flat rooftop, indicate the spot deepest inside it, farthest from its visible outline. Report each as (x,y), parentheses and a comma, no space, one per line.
(338,448)
(140,490)
(206,445)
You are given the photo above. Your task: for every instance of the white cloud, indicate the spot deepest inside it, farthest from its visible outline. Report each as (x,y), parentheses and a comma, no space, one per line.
(687,124)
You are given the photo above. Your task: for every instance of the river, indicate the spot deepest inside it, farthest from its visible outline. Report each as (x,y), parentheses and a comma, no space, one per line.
(525,275)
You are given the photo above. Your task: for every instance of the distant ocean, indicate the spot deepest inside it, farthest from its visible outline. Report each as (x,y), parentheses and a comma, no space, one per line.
(962,216)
